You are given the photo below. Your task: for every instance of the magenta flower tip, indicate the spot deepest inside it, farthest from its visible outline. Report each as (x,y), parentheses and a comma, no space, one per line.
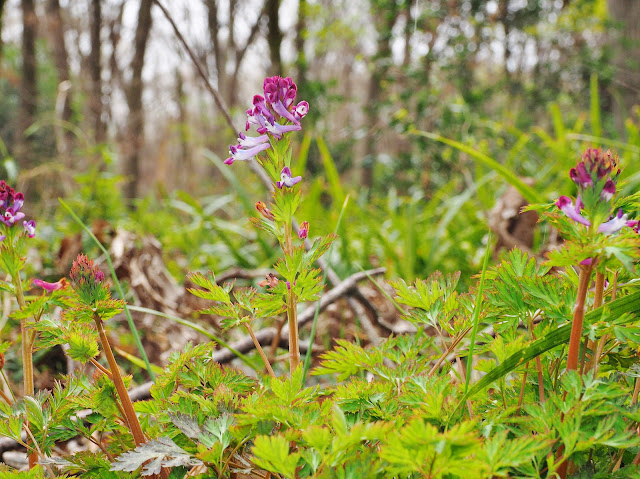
(303,232)
(608,190)
(60,284)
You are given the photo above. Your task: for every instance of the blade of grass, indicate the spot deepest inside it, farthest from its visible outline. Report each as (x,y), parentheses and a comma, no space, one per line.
(307,358)
(553,339)
(199,329)
(118,286)
(303,154)
(475,321)
(245,199)
(525,190)
(136,361)
(603,141)
(330,169)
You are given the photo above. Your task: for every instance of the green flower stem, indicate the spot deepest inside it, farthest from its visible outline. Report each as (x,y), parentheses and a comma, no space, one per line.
(27,340)
(574,342)
(127,405)
(597,302)
(260,350)
(6,398)
(578,318)
(292,311)
(605,338)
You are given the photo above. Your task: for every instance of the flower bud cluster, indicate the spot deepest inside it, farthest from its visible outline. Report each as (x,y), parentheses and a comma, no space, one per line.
(87,280)
(596,177)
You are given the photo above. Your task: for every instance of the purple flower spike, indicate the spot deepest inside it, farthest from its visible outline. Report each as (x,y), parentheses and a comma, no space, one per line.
(608,190)
(30,228)
(587,262)
(286,179)
(567,207)
(2,237)
(614,224)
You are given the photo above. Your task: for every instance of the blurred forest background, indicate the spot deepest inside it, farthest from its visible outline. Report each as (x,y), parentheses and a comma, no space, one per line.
(101,104)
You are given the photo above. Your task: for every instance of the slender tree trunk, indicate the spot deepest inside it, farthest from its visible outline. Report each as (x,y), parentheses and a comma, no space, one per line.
(28,87)
(185,170)
(386,14)
(625,44)
(64,137)
(239,57)
(134,140)
(274,35)
(219,50)
(95,73)
(301,58)
(2,2)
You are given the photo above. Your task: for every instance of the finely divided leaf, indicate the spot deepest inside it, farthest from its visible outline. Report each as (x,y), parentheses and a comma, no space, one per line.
(153,456)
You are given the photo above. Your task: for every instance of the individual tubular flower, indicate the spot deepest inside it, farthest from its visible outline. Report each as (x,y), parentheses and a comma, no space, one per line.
(264,211)
(50,287)
(608,190)
(30,228)
(572,211)
(238,153)
(286,179)
(303,231)
(270,281)
(301,110)
(614,224)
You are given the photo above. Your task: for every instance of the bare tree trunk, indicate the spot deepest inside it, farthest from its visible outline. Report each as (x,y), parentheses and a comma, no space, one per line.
(274,35)
(134,140)
(95,73)
(28,86)
(219,50)
(301,58)
(239,57)
(185,170)
(626,48)
(386,14)
(2,2)
(64,137)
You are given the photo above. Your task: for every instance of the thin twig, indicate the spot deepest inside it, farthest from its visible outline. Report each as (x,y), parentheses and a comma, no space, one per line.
(216,95)
(260,350)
